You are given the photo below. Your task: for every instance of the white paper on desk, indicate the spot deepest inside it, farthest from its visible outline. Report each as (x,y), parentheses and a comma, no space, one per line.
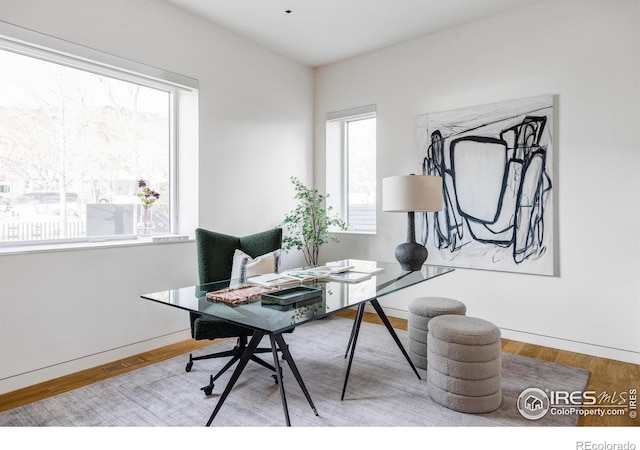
(349,277)
(336,267)
(273,279)
(355,265)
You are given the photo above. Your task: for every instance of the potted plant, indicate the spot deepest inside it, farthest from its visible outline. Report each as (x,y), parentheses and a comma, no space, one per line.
(307,226)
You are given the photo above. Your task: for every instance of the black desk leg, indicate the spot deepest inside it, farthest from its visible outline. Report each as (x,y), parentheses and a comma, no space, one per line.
(353,329)
(386,322)
(292,365)
(276,363)
(244,359)
(352,344)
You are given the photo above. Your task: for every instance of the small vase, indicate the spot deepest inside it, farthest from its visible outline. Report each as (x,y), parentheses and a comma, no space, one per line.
(146,225)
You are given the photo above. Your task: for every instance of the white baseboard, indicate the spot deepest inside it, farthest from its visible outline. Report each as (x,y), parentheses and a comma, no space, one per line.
(573,346)
(23,380)
(547,341)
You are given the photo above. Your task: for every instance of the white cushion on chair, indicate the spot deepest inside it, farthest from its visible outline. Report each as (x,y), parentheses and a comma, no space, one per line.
(244,266)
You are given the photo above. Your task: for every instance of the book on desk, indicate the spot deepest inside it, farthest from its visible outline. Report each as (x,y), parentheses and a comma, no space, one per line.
(288,278)
(349,277)
(347,271)
(355,265)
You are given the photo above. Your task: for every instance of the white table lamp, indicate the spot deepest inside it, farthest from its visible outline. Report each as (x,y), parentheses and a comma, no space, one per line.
(411,193)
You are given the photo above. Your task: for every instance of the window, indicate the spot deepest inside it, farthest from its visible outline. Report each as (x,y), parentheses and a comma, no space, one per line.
(351,166)
(76,135)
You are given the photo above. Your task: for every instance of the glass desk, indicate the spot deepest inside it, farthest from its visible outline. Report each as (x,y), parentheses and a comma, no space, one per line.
(273,320)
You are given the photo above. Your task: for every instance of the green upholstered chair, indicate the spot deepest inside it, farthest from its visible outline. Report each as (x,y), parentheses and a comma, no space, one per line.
(215,253)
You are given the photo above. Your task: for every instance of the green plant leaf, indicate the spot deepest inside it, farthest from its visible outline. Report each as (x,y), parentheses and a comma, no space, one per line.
(307,226)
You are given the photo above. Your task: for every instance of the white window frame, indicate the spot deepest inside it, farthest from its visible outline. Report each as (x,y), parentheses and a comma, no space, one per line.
(337,161)
(183,93)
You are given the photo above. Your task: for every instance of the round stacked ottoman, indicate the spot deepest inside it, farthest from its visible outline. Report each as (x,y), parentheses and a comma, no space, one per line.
(421,311)
(464,363)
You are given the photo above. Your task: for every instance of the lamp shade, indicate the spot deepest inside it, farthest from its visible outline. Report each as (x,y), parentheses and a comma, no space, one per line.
(412,193)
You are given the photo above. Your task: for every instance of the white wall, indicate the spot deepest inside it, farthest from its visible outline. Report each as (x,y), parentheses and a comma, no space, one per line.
(587,53)
(65,311)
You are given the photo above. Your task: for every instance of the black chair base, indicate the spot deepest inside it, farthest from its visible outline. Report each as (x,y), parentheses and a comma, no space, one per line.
(235,355)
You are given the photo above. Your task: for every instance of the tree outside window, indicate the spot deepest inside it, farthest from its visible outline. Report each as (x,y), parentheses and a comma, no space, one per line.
(72,140)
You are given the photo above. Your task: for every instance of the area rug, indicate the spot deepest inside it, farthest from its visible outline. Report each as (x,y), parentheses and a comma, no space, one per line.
(382,391)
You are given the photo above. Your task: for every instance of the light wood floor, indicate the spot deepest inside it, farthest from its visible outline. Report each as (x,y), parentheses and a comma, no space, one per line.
(605,375)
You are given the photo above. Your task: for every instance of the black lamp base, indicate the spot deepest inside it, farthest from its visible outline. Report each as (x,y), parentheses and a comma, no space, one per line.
(411,256)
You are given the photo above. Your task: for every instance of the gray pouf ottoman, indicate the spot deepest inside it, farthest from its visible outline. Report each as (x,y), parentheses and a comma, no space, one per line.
(421,311)
(465,365)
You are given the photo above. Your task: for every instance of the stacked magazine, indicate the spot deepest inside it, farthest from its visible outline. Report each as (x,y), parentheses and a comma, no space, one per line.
(295,276)
(348,271)
(357,270)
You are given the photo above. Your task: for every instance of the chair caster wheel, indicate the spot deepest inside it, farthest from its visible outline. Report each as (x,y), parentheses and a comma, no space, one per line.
(189,366)
(209,388)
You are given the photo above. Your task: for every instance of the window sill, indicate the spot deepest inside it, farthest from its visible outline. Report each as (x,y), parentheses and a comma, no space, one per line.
(91,245)
(354,232)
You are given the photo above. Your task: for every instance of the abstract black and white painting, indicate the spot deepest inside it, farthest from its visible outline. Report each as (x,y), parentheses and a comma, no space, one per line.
(496,162)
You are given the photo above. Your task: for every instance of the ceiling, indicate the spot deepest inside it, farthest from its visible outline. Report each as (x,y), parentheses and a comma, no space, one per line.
(319,32)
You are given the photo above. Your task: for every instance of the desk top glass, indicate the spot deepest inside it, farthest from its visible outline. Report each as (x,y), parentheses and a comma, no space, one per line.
(335,296)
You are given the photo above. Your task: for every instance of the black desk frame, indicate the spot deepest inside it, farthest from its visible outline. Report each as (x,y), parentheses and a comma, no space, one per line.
(278,343)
